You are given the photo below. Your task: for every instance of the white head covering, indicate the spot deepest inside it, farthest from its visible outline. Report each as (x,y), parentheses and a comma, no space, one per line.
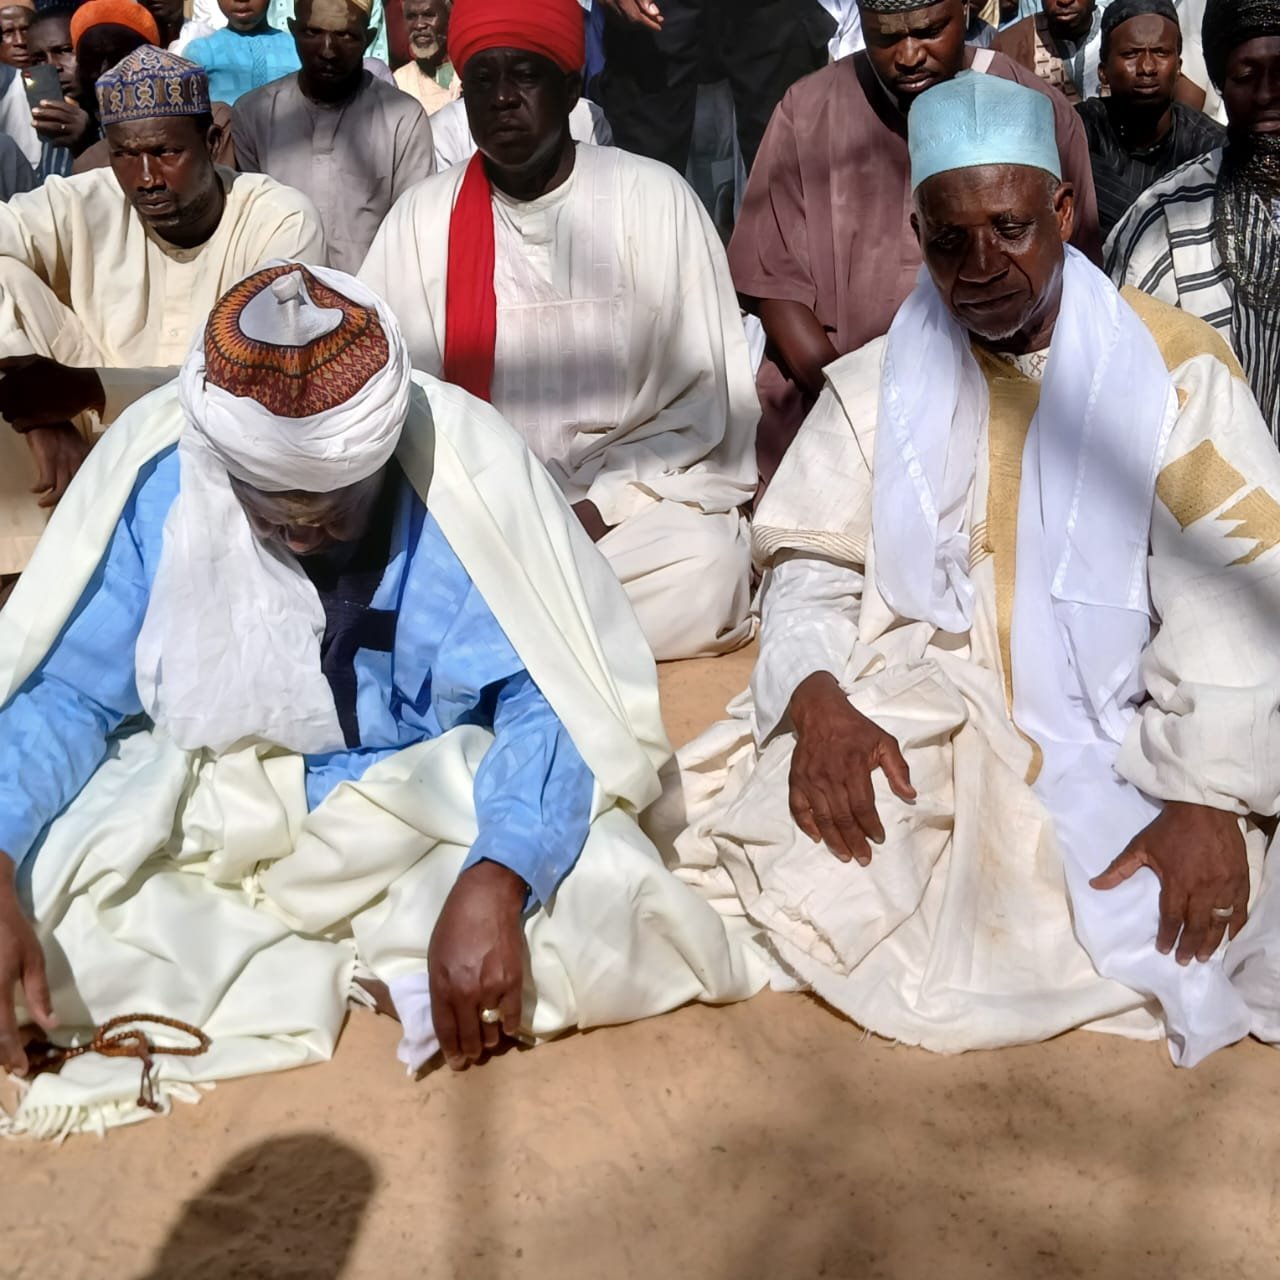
(299,382)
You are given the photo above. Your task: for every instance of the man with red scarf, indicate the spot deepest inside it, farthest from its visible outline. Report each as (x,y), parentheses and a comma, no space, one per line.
(584,292)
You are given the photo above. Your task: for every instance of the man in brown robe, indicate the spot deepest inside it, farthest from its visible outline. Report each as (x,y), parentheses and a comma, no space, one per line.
(824,250)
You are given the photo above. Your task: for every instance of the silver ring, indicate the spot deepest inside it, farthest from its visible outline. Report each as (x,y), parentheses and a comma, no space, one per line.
(1224,913)
(490,1015)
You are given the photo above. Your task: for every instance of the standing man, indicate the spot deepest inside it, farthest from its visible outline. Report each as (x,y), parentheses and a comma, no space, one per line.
(245,54)
(15,21)
(1205,237)
(116,269)
(1139,133)
(583,290)
(823,249)
(66,129)
(15,110)
(353,144)
(429,76)
(1062,44)
(658,51)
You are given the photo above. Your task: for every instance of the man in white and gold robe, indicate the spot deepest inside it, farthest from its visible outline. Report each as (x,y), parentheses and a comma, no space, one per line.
(1017,649)
(584,292)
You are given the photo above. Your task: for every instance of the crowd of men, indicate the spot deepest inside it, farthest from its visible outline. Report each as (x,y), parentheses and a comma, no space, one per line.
(380,402)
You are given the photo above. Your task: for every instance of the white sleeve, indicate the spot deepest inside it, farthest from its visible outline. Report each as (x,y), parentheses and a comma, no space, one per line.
(1209,732)
(809,609)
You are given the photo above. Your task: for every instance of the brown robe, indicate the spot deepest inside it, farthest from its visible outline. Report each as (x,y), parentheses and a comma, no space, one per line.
(826,220)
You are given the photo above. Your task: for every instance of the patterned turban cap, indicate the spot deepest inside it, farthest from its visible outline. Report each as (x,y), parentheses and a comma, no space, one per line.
(1230,23)
(292,343)
(152,83)
(114,13)
(1121,11)
(893,6)
(555,29)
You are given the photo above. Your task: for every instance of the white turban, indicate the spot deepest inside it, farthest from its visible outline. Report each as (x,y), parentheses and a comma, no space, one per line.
(230,647)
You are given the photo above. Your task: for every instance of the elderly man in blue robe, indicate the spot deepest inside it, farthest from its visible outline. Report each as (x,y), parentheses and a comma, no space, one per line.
(324,688)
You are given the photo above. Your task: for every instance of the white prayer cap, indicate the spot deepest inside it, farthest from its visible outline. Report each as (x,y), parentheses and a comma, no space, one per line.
(978,119)
(300,381)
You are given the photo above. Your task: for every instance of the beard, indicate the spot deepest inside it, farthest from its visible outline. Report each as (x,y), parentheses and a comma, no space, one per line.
(425,50)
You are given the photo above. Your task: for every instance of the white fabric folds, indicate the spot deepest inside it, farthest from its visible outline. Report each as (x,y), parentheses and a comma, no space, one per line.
(1081,617)
(230,649)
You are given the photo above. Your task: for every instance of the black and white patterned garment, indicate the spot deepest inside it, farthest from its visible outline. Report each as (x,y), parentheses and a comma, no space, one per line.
(1120,175)
(1167,246)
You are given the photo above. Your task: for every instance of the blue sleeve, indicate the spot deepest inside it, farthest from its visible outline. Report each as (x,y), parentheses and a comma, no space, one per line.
(54,731)
(532,792)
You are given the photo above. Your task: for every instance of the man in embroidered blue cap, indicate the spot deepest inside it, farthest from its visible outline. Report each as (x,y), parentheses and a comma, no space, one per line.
(116,268)
(1002,562)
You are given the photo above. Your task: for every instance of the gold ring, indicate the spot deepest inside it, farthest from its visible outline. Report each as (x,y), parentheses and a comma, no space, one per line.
(490,1015)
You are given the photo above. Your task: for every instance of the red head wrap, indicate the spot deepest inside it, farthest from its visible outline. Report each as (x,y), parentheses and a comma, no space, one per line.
(556,29)
(116,13)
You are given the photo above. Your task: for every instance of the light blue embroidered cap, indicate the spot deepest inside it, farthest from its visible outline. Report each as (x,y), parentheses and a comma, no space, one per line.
(980,119)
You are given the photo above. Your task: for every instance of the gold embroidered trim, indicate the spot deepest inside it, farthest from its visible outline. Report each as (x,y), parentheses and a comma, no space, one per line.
(1197,484)
(1258,518)
(1014,400)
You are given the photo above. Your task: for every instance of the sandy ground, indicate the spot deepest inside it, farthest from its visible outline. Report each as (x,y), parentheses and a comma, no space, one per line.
(770,1140)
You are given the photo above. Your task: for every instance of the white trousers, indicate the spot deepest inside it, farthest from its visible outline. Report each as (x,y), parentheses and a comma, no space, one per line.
(688,577)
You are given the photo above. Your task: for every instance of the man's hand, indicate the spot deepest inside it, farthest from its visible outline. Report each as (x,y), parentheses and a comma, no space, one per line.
(591,519)
(643,13)
(21,960)
(837,749)
(59,452)
(476,961)
(35,392)
(65,123)
(1199,855)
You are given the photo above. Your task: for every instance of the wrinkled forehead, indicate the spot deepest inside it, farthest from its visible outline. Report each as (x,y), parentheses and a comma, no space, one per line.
(980,193)
(897,26)
(1144,30)
(331,15)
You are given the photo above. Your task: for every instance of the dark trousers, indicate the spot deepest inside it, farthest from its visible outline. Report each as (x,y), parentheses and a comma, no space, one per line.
(649,85)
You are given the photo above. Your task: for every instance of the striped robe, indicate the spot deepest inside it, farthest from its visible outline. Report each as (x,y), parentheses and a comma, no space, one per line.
(1166,245)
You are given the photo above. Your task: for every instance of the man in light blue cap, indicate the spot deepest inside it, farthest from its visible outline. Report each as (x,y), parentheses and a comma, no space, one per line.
(1001,561)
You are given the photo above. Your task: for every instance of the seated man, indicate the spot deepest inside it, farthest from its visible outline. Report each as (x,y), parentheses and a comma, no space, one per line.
(1018,657)
(115,268)
(823,248)
(1205,237)
(1139,132)
(351,142)
(332,626)
(583,290)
